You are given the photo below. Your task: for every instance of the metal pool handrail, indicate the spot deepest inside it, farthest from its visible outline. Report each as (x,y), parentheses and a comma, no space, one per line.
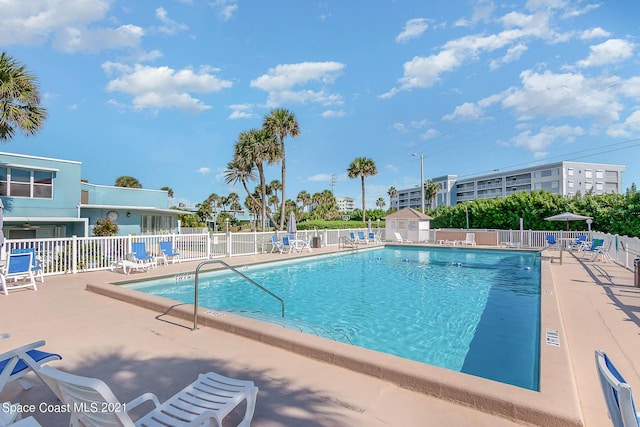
(217,261)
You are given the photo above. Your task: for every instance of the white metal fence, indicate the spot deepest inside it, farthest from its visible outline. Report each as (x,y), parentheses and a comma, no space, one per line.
(78,254)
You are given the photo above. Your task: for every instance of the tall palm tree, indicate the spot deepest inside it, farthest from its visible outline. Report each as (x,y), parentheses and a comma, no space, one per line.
(255,147)
(304,198)
(431,189)
(237,172)
(168,190)
(282,123)
(127,181)
(19,100)
(380,202)
(275,186)
(362,167)
(393,193)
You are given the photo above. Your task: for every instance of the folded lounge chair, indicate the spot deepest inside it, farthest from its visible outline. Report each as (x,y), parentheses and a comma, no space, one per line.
(362,238)
(276,244)
(617,393)
(470,239)
(551,241)
(211,397)
(16,363)
(18,268)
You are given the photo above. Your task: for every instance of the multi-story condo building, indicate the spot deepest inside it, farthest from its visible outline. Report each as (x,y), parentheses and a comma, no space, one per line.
(565,178)
(345,204)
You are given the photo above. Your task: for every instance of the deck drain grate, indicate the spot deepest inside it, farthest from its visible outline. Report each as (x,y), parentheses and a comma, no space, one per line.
(553,337)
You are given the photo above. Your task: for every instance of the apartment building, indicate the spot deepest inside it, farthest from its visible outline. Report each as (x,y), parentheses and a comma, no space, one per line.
(564,178)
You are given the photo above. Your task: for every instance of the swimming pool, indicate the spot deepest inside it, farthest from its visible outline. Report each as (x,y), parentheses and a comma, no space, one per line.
(468,310)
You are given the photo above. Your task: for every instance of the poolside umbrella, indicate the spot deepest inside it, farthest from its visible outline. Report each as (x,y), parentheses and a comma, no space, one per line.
(567,216)
(291,225)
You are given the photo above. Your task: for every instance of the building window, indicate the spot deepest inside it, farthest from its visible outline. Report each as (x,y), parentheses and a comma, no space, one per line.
(16,182)
(599,186)
(599,174)
(545,173)
(588,173)
(588,185)
(570,171)
(570,183)
(554,184)
(153,224)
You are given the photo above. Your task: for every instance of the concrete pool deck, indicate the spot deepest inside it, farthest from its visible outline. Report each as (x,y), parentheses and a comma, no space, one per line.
(136,349)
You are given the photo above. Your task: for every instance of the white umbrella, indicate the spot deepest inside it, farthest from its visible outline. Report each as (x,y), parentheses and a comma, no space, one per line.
(370,230)
(567,216)
(291,225)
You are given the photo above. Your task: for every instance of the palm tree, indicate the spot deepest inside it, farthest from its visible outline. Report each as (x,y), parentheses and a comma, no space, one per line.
(362,167)
(237,172)
(127,181)
(282,123)
(304,198)
(275,186)
(255,147)
(19,100)
(380,202)
(393,193)
(431,189)
(168,190)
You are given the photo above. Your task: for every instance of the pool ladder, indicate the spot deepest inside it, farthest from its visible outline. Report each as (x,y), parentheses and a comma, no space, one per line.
(250,280)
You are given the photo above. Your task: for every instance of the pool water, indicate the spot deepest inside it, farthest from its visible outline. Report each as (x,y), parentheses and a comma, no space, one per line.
(472,311)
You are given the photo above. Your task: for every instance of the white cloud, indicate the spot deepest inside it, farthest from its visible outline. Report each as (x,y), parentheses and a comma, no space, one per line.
(321,177)
(399,127)
(164,87)
(430,134)
(203,170)
(573,12)
(226,8)
(628,128)
(280,81)
(73,25)
(333,113)
(241,111)
(613,50)
(466,112)
(513,54)
(413,29)
(594,33)
(391,168)
(547,135)
(170,26)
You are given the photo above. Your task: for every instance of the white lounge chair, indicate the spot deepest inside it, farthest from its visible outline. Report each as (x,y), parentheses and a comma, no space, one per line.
(167,251)
(18,268)
(399,238)
(16,363)
(207,401)
(617,393)
(36,265)
(470,239)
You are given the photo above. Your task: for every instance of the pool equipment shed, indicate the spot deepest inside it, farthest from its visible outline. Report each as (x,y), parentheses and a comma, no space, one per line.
(411,224)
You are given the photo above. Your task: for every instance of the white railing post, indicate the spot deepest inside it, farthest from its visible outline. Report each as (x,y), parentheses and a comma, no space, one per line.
(208,241)
(255,241)
(74,254)
(228,254)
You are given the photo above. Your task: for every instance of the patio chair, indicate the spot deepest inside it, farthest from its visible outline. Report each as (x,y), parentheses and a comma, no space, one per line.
(36,265)
(167,251)
(470,239)
(579,243)
(207,401)
(16,363)
(353,237)
(362,237)
(399,238)
(276,244)
(551,241)
(287,246)
(375,238)
(18,268)
(140,255)
(594,247)
(617,393)
(603,253)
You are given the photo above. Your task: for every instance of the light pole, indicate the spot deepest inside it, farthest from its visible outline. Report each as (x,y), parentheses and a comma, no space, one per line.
(421,179)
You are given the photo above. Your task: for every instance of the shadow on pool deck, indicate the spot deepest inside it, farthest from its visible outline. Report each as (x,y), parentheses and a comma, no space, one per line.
(136,350)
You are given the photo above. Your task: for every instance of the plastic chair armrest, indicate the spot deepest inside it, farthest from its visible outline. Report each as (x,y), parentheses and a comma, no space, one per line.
(141,399)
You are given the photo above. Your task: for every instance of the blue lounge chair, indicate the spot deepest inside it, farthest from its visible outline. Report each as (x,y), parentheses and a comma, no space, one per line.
(373,237)
(596,244)
(276,245)
(140,255)
(551,241)
(36,265)
(579,243)
(286,245)
(16,363)
(18,268)
(617,393)
(168,252)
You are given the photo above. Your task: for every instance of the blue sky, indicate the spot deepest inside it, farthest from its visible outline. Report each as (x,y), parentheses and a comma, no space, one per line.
(160,90)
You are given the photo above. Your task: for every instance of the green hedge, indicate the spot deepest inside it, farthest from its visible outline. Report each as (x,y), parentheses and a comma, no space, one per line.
(333,225)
